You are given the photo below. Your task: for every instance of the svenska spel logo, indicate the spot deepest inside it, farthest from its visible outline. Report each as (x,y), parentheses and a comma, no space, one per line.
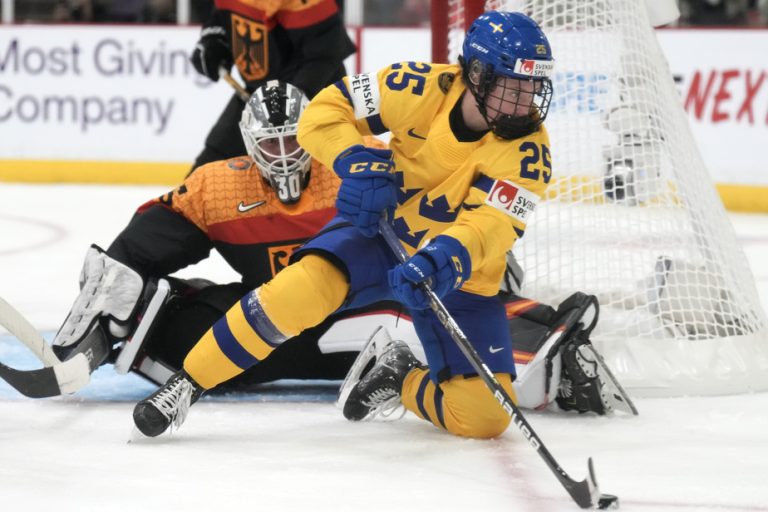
(502,194)
(527,67)
(514,200)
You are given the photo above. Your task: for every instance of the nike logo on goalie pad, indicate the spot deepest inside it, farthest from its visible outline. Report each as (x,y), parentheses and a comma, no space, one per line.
(493,349)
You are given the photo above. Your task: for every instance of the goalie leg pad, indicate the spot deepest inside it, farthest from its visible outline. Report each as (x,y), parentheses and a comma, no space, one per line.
(540,332)
(190,309)
(158,292)
(108,289)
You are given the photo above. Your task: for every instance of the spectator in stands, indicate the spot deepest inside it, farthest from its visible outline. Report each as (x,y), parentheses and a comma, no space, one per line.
(714,12)
(396,12)
(110,11)
(414,12)
(160,11)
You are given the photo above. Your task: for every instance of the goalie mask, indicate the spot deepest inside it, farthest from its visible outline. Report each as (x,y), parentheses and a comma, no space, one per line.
(269,124)
(506,63)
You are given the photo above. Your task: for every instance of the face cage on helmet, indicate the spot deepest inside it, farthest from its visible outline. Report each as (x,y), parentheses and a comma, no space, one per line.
(286,173)
(507,126)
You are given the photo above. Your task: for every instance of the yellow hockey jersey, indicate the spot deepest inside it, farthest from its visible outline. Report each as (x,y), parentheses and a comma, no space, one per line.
(480,193)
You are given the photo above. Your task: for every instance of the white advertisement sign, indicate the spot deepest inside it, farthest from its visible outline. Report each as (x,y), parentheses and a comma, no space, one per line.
(722,77)
(103,93)
(121,93)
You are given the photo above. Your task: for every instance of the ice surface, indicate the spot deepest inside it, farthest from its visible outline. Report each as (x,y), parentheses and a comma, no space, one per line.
(289,449)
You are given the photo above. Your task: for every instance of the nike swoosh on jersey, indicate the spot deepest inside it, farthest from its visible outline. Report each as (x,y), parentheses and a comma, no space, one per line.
(242,207)
(415,135)
(493,349)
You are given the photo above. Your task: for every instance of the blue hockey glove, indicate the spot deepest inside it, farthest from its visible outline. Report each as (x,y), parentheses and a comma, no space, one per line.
(444,261)
(367,186)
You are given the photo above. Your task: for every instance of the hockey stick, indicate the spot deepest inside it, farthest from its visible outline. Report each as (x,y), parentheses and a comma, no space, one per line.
(57,377)
(239,89)
(26,333)
(585,493)
(61,378)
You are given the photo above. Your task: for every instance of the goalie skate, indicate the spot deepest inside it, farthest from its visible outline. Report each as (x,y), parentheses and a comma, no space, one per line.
(588,384)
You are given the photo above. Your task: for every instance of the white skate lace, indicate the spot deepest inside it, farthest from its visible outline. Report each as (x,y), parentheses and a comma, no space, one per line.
(174,401)
(384,403)
(566,388)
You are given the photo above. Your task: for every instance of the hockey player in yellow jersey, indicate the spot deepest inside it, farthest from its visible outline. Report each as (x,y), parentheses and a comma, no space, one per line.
(467,163)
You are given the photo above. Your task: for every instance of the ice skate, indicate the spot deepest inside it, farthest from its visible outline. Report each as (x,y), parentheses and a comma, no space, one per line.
(168,406)
(376,392)
(587,384)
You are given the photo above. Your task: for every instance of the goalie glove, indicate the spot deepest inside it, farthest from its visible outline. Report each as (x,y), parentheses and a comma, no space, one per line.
(444,263)
(211,52)
(367,186)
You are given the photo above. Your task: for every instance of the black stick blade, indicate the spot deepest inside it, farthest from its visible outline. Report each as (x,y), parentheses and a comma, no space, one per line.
(586,492)
(61,378)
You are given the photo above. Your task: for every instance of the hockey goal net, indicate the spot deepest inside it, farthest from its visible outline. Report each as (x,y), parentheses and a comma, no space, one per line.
(633,216)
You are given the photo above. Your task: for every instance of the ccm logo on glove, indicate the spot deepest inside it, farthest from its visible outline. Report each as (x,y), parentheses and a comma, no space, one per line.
(367,186)
(459,270)
(444,264)
(370,166)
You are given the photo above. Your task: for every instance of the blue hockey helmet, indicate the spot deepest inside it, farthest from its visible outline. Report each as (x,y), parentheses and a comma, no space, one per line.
(507,61)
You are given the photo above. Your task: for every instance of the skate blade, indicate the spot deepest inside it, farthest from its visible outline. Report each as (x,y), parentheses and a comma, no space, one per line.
(378,340)
(612,394)
(136,436)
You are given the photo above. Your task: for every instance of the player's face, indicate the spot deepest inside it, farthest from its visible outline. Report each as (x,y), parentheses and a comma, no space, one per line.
(511,97)
(271,150)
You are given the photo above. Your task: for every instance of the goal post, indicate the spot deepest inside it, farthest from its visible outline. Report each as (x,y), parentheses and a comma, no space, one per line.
(632,215)
(450,19)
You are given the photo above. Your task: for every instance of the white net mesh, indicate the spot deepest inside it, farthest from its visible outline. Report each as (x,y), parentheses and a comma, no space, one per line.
(633,216)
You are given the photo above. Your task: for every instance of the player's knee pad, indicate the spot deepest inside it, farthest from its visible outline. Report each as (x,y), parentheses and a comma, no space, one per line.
(109,290)
(303,294)
(471,410)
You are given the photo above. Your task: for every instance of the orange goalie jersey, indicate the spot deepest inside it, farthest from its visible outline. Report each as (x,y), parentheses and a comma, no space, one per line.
(243,218)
